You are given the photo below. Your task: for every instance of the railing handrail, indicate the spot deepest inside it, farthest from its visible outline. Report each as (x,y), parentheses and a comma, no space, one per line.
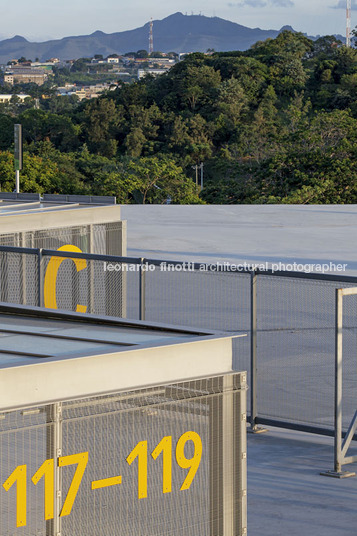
(191,266)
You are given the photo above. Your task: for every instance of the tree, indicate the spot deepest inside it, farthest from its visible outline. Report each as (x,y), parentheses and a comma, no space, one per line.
(275,123)
(61,104)
(134,142)
(39,125)
(160,180)
(80,65)
(179,138)
(258,138)
(101,118)
(231,103)
(68,178)
(325,47)
(287,43)
(6,131)
(142,54)
(36,176)
(197,84)
(15,99)
(120,184)
(200,144)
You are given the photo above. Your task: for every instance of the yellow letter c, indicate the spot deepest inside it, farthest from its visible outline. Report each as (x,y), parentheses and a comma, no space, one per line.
(51,277)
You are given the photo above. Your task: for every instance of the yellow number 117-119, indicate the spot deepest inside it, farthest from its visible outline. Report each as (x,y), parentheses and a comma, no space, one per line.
(165,447)
(46,472)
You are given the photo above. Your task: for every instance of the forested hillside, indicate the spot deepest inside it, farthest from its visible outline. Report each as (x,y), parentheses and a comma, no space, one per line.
(274,124)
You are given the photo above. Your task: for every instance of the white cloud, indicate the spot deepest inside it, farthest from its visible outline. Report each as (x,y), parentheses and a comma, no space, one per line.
(250,3)
(342,5)
(283,3)
(263,3)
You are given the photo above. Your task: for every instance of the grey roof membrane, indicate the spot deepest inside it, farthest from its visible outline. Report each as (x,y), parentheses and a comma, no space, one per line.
(8,208)
(25,337)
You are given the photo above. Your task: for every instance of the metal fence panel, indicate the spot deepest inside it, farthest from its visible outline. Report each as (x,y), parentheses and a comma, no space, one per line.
(19,278)
(296,350)
(23,442)
(164,461)
(349,375)
(202,299)
(295,320)
(83,285)
(104,238)
(61,283)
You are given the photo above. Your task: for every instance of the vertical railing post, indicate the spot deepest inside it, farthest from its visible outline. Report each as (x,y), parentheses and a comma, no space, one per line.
(91,290)
(40,277)
(23,262)
(142,290)
(338,379)
(339,448)
(229,510)
(227,456)
(54,450)
(253,349)
(253,355)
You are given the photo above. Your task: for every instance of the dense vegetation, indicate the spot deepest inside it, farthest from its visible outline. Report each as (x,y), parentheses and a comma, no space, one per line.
(274,124)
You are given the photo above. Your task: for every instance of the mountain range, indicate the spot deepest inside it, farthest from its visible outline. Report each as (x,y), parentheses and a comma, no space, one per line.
(175,33)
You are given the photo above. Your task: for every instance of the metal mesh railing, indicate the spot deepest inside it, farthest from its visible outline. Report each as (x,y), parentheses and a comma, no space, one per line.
(296,349)
(349,381)
(84,286)
(202,299)
(164,461)
(289,317)
(101,238)
(19,277)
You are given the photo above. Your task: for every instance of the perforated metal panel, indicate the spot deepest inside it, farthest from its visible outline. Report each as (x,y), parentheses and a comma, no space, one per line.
(296,350)
(19,278)
(84,285)
(164,461)
(202,299)
(295,323)
(103,238)
(97,290)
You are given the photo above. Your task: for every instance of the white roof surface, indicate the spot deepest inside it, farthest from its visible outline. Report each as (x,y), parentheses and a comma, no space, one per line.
(238,233)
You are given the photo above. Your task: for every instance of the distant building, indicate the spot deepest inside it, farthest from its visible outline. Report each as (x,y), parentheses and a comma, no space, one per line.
(25,75)
(162,61)
(127,59)
(113,59)
(85,92)
(7,98)
(64,90)
(182,55)
(98,62)
(154,72)
(44,65)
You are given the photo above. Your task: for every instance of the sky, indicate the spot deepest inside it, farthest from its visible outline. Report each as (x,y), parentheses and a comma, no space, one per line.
(45,19)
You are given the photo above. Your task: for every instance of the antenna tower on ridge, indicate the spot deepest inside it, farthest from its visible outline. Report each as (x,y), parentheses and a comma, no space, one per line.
(151,37)
(348,23)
